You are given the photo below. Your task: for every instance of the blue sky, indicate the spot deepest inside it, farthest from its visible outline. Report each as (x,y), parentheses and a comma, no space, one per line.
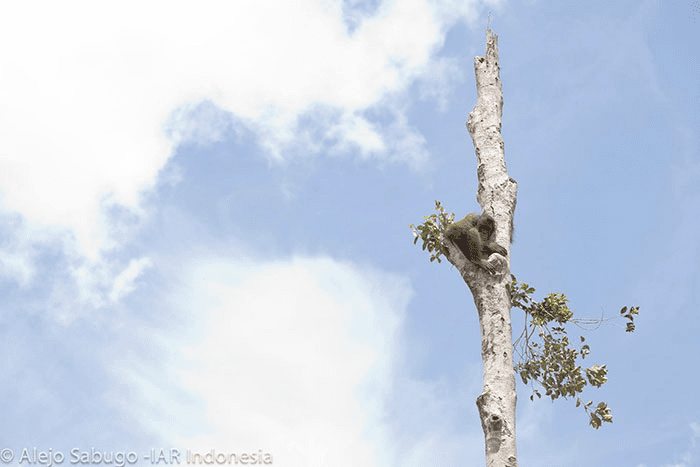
(205,206)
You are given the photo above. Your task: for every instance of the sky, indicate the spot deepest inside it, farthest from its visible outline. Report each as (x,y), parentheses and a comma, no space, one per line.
(204,227)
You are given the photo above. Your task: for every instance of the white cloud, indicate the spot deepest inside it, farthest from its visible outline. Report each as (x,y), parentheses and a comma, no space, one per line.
(96,96)
(296,359)
(87,87)
(124,283)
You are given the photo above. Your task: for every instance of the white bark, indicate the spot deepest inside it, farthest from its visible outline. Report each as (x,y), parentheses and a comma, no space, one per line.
(497,197)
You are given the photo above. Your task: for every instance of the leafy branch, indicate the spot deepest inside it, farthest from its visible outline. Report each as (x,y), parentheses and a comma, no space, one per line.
(552,362)
(432,232)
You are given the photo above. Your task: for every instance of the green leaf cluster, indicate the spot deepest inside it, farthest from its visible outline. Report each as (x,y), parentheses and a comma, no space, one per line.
(432,230)
(552,361)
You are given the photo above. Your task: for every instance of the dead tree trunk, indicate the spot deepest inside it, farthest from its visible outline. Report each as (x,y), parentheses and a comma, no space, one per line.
(497,197)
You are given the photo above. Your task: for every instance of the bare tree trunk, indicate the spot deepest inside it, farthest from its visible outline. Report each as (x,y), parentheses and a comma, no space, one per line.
(497,197)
